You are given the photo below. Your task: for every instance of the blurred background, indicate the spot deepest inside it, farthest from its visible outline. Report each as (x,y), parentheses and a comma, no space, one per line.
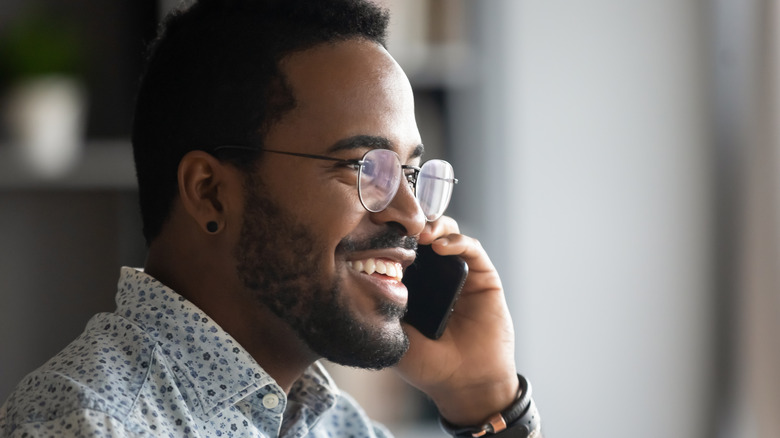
(618,160)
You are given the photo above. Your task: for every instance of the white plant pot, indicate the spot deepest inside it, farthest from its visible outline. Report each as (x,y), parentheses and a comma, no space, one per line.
(45,119)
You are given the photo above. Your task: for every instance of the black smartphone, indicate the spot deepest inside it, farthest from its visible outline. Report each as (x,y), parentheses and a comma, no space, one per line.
(434,283)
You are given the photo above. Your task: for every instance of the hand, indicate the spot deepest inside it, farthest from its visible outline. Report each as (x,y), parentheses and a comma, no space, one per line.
(470,371)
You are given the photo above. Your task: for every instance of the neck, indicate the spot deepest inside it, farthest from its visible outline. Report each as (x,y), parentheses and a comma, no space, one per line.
(217,291)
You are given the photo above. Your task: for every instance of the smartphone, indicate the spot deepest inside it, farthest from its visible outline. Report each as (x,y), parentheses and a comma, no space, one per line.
(434,283)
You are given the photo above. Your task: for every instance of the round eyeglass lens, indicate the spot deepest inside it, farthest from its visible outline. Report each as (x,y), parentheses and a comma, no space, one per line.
(379,179)
(434,188)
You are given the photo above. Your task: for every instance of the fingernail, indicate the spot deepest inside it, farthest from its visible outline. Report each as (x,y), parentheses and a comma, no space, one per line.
(443,241)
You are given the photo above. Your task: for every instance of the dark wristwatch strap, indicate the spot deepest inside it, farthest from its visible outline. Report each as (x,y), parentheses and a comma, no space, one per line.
(528,426)
(519,420)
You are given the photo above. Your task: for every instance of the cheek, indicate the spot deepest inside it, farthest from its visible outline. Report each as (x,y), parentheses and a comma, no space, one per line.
(309,189)
(327,205)
(331,221)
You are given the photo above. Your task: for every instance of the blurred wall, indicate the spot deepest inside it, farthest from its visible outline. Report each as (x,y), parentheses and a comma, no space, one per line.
(59,264)
(587,179)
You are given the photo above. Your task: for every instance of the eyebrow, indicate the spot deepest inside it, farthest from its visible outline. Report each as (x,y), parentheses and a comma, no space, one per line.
(370,141)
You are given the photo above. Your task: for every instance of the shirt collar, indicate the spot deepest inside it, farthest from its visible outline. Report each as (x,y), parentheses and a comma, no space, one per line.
(220,372)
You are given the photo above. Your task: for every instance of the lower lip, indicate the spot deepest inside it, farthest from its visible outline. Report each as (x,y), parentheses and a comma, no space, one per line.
(388,287)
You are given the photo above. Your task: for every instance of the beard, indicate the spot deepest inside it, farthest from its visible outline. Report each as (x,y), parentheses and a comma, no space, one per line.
(280,262)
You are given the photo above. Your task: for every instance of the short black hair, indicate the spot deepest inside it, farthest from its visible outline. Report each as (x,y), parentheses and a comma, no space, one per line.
(212,77)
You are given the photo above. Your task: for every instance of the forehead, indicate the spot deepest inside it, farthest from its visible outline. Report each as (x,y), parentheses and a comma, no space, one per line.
(342,90)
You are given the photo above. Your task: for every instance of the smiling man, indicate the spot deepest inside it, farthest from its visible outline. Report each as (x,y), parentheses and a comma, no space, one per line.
(279,170)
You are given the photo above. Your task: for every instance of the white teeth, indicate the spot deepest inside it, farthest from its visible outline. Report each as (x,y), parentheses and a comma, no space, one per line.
(369,266)
(384,267)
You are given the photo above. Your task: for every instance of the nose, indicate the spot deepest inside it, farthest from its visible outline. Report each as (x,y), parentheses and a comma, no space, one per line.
(403,210)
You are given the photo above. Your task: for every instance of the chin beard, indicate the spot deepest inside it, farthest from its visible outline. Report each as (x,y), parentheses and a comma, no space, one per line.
(334,333)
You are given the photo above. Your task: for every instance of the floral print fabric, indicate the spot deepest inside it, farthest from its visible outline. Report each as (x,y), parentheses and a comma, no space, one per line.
(159,366)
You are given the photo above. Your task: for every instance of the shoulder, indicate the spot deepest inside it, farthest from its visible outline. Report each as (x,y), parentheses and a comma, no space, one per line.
(93,381)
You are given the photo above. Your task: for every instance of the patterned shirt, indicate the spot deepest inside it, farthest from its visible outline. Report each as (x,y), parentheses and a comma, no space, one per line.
(159,366)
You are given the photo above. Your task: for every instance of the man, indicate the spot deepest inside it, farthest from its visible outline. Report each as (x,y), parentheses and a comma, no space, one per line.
(272,140)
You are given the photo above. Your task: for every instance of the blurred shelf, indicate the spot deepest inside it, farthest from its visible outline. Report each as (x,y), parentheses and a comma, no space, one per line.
(104,165)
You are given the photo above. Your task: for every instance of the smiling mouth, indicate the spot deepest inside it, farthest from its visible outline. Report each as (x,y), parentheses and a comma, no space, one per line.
(370,266)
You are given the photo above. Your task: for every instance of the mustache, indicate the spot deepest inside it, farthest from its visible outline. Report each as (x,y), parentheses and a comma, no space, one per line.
(386,239)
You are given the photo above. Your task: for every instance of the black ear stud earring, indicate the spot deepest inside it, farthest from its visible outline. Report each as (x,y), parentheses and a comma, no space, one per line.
(212,227)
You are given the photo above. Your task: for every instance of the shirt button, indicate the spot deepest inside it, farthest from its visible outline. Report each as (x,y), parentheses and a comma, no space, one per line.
(270,401)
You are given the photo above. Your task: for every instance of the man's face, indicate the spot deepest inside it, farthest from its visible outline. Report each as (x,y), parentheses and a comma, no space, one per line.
(305,230)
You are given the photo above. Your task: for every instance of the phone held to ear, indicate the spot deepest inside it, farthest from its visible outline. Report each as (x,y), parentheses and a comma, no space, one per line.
(434,283)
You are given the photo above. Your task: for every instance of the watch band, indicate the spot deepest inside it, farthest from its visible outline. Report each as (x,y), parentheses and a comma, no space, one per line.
(528,426)
(519,420)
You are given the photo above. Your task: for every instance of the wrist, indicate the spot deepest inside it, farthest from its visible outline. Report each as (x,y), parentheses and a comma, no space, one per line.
(519,420)
(468,406)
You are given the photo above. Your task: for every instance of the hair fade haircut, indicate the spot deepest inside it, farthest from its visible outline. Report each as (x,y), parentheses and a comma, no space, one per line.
(212,77)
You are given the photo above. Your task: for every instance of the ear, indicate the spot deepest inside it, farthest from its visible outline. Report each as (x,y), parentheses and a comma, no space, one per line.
(205,189)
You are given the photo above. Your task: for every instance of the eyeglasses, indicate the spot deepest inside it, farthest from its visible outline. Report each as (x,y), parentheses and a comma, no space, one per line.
(379,176)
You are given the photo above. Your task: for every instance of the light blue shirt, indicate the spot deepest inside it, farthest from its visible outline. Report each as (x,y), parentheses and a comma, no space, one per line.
(159,366)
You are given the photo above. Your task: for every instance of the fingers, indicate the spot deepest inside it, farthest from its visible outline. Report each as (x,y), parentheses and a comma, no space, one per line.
(468,248)
(441,227)
(445,238)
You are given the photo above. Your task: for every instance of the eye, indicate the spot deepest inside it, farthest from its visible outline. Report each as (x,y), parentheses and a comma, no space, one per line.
(350,164)
(369,167)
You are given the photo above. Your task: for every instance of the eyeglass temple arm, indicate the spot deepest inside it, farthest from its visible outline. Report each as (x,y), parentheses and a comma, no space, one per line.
(322,157)
(296,154)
